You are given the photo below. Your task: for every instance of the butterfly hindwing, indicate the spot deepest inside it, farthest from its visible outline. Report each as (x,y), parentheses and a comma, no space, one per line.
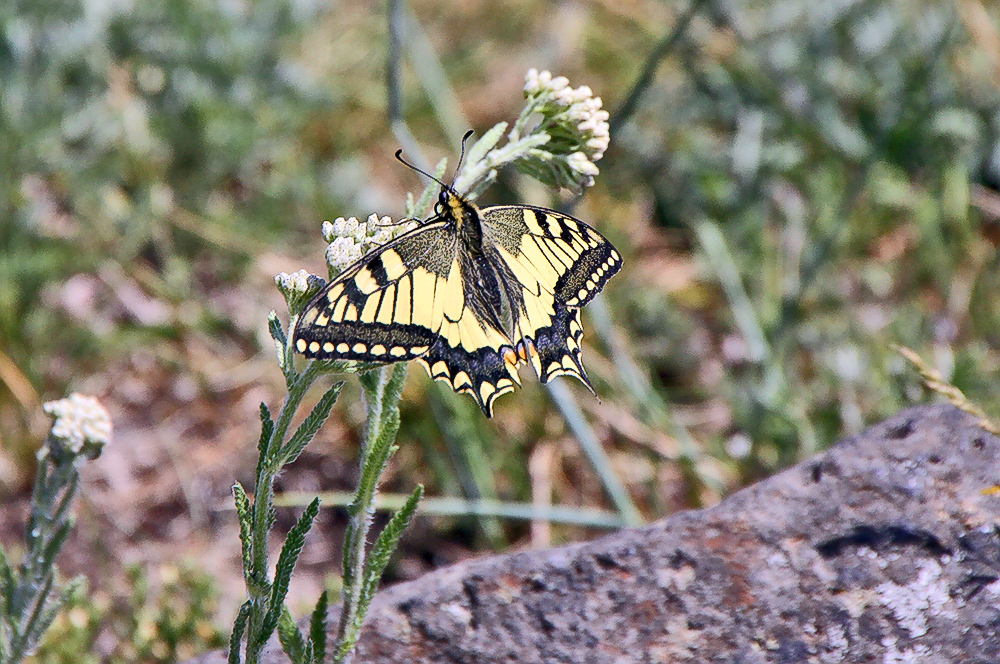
(559,347)
(561,264)
(386,307)
(484,373)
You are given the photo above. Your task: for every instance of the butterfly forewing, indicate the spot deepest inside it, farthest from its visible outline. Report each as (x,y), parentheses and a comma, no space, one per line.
(387,306)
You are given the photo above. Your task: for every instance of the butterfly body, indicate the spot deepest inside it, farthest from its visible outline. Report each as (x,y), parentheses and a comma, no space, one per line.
(471,293)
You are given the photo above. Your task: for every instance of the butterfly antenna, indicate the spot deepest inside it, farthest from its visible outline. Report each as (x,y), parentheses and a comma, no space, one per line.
(399,156)
(462,156)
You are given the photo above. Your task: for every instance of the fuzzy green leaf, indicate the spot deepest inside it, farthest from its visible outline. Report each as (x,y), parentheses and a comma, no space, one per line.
(246,525)
(47,559)
(61,512)
(381,450)
(370,383)
(545,172)
(283,571)
(307,430)
(276,330)
(346,548)
(377,461)
(51,609)
(394,388)
(280,340)
(264,443)
(40,595)
(266,428)
(382,396)
(317,628)
(291,638)
(237,636)
(38,497)
(383,548)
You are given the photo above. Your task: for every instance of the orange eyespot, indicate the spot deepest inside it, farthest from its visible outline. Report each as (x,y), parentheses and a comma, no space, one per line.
(509,356)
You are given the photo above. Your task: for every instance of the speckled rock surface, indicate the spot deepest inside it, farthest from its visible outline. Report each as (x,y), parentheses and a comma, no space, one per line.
(886,548)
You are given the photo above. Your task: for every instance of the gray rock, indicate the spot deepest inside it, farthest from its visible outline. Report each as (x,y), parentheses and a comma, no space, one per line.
(885,548)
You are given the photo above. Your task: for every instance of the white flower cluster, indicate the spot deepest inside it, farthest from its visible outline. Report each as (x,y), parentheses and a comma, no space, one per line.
(557,138)
(81,425)
(298,288)
(350,239)
(296,283)
(573,117)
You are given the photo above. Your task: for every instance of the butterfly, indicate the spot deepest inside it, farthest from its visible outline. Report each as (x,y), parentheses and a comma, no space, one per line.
(471,293)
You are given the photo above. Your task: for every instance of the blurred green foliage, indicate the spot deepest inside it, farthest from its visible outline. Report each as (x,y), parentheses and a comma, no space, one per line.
(164,138)
(822,157)
(172,623)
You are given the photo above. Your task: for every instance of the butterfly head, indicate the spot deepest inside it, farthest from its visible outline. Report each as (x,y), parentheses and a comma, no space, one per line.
(453,207)
(450,204)
(444,200)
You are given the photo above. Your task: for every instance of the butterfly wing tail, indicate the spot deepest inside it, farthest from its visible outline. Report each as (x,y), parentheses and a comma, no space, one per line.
(559,347)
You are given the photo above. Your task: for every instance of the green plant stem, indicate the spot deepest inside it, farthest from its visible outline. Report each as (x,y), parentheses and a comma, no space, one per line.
(598,458)
(262,511)
(29,609)
(458,506)
(382,388)
(623,114)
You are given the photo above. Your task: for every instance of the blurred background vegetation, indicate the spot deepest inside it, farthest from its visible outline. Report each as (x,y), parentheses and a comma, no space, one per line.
(795,187)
